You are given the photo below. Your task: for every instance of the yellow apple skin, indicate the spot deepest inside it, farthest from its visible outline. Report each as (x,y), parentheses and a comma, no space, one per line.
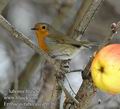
(105,69)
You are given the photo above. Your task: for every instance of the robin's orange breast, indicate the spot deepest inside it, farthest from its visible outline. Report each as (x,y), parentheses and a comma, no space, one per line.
(41,37)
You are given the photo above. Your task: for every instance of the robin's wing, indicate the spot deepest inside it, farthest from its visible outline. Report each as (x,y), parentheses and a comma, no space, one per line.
(61,38)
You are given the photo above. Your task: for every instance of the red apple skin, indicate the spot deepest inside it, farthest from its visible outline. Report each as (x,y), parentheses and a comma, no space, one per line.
(111,51)
(108,58)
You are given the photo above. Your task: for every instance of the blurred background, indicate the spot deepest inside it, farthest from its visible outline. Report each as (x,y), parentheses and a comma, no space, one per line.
(15,55)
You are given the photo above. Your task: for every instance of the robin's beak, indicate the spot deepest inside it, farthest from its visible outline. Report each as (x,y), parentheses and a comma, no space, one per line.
(34,29)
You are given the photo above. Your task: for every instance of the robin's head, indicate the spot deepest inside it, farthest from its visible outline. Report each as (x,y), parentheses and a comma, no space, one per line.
(43,29)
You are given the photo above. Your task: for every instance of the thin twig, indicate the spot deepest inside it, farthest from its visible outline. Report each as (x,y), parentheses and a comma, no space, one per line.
(77,70)
(66,92)
(70,85)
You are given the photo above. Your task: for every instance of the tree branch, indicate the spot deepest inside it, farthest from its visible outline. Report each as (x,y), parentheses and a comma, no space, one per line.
(33,64)
(84,16)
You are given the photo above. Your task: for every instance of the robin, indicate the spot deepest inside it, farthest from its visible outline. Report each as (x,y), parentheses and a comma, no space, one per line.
(57,44)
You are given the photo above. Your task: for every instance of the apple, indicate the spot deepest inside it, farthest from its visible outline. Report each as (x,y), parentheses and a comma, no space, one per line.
(105,69)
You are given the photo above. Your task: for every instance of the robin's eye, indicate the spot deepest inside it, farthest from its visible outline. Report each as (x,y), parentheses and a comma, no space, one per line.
(43,27)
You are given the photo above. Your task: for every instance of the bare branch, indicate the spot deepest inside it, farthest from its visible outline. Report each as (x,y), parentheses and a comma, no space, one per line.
(84,17)
(33,64)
